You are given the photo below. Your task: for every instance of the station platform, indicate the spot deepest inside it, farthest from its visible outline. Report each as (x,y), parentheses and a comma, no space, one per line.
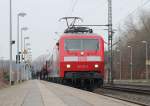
(42,93)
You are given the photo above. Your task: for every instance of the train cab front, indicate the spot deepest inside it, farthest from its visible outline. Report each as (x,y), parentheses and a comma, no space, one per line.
(82,58)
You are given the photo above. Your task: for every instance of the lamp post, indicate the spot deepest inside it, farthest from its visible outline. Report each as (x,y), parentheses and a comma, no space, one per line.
(27,44)
(146,59)
(120,64)
(29,61)
(18,26)
(131,63)
(10,42)
(25,52)
(22,29)
(25,38)
(28,49)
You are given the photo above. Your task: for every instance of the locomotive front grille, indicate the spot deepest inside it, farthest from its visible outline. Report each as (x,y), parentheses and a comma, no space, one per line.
(83,74)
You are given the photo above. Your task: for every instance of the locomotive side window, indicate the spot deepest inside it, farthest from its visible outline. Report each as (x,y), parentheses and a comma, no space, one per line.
(81,44)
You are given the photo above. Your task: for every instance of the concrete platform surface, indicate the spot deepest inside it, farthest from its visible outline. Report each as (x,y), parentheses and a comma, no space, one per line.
(41,93)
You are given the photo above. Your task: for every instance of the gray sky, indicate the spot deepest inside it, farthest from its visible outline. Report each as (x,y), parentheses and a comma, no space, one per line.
(42,19)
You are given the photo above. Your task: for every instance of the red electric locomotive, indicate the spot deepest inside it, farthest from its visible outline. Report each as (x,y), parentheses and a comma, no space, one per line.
(78,58)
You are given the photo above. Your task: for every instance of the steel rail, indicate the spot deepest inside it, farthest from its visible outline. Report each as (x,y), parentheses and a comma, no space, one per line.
(133,89)
(129,88)
(126,100)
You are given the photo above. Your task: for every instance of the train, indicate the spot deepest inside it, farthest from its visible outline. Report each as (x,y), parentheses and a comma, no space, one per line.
(78,59)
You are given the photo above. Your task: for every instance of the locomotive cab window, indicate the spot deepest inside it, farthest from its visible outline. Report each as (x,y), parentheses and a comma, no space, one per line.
(81,44)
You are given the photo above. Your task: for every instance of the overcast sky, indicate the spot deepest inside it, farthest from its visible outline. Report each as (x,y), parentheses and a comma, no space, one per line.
(43,15)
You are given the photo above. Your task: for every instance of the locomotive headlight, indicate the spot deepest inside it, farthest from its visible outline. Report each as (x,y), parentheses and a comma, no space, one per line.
(82,53)
(96,66)
(68,65)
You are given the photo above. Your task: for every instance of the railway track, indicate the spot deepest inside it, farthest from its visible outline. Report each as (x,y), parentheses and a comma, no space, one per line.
(127,100)
(135,94)
(129,88)
(139,95)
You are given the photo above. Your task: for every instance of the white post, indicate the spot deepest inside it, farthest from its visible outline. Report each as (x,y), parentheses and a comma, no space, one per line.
(18,29)
(120,66)
(17,48)
(131,65)
(26,70)
(10,45)
(146,65)
(22,74)
(146,60)
(25,59)
(23,66)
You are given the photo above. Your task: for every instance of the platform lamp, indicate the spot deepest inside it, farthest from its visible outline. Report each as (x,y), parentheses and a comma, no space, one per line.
(22,29)
(119,51)
(22,14)
(131,62)
(146,58)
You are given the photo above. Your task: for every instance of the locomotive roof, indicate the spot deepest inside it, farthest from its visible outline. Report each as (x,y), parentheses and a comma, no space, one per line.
(85,34)
(74,35)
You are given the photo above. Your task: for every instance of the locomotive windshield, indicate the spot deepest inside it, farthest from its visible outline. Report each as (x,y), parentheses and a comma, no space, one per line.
(81,44)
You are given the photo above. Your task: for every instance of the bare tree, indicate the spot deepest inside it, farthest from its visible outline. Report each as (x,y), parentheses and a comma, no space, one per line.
(132,33)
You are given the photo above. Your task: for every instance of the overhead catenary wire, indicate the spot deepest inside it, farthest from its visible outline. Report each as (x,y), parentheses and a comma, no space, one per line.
(72,8)
(74,5)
